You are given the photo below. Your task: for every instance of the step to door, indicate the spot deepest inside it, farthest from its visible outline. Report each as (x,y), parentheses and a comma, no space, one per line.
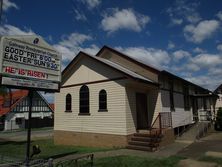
(146,144)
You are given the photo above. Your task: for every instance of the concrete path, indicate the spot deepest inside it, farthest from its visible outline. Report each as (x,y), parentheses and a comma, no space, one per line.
(194,163)
(211,143)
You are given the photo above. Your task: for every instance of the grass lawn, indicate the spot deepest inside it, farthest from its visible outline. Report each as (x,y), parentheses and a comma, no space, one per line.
(48,149)
(131,161)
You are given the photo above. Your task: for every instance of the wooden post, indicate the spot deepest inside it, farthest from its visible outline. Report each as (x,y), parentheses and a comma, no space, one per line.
(160,122)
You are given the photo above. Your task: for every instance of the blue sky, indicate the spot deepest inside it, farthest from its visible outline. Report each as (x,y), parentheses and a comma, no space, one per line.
(181,36)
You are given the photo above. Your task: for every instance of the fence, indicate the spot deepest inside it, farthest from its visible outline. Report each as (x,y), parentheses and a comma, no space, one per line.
(78,161)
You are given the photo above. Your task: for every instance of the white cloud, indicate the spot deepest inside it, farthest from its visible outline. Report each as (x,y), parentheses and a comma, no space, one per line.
(180,54)
(204,29)
(72,44)
(92,50)
(79,15)
(7,4)
(124,19)
(219,15)
(181,11)
(206,81)
(198,50)
(75,39)
(193,18)
(176,21)
(170,45)
(150,56)
(207,60)
(91,3)
(12,30)
(215,71)
(219,47)
(191,67)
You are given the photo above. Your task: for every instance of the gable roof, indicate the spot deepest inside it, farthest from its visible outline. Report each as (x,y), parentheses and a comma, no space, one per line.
(129,58)
(15,97)
(128,73)
(148,66)
(218,90)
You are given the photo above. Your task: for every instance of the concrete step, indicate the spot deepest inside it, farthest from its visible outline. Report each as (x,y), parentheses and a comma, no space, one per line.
(145,139)
(147,144)
(150,135)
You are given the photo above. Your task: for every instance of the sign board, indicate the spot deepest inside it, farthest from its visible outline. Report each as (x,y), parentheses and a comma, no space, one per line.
(29,62)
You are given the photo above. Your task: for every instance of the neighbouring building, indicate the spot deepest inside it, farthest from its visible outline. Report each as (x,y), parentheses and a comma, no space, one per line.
(14,109)
(106,98)
(218,91)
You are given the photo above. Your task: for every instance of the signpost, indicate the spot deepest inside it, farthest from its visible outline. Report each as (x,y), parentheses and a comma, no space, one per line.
(28,62)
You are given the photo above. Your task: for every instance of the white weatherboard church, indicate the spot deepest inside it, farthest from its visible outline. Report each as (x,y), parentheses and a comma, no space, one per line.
(107,98)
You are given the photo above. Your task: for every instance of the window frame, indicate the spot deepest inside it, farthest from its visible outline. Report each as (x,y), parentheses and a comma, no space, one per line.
(103,94)
(68,104)
(84,97)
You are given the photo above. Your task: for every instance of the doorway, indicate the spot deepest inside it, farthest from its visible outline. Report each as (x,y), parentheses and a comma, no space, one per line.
(141,109)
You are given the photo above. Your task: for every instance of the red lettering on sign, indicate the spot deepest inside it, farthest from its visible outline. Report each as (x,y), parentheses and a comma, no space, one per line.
(10,70)
(28,73)
(21,71)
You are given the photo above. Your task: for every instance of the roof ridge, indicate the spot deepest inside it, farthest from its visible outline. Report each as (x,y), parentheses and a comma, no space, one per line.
(128,57)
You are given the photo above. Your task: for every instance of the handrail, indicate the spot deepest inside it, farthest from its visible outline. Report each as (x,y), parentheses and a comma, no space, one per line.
(162,122)
(155,121)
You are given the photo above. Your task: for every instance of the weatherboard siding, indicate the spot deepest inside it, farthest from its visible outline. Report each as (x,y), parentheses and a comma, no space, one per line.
(111,122)
(87,70)
(180,117)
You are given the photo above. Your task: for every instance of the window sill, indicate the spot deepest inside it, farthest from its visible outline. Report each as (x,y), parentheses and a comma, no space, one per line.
(102,110)
(68,111)
(84,114)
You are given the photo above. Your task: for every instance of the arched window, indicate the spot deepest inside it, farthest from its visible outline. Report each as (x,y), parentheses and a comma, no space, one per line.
(68,103)
(84,100)
(102,100)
